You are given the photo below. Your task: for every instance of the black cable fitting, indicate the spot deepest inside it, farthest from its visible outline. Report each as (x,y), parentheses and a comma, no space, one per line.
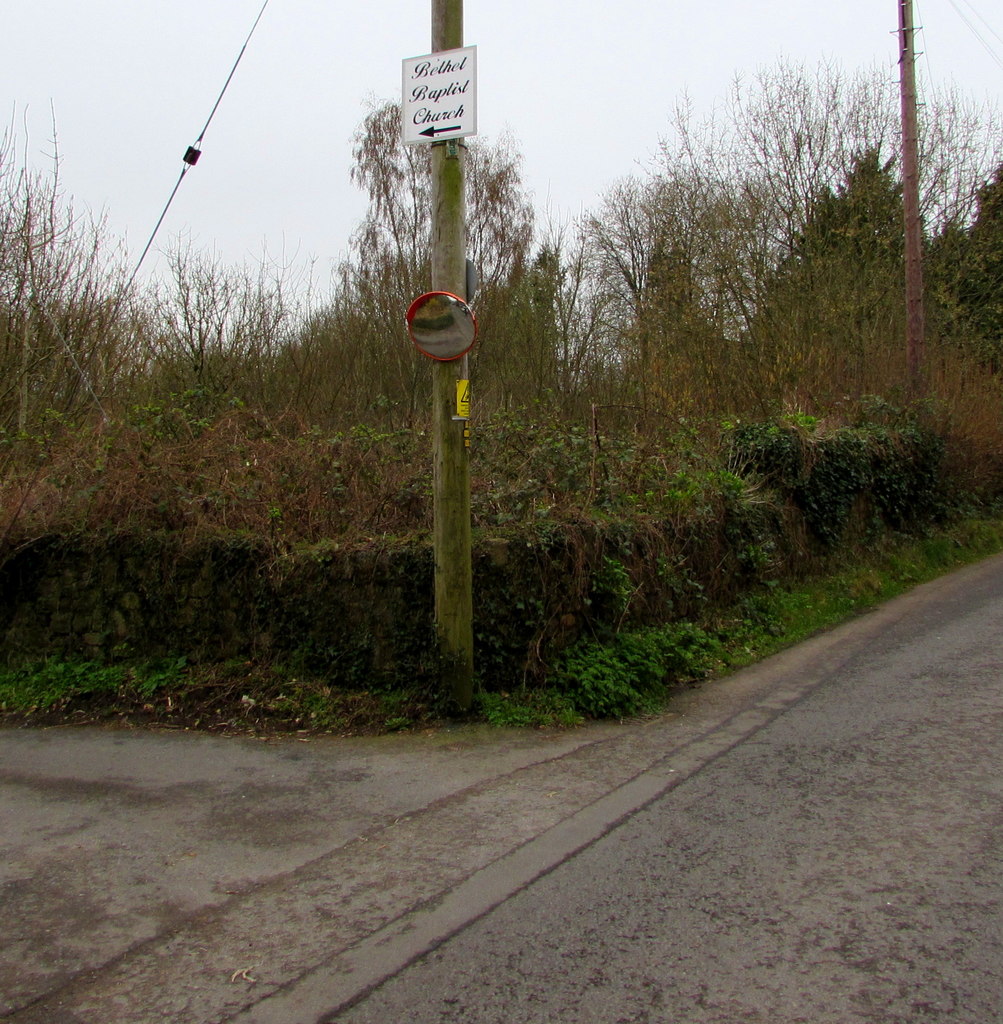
(191,156)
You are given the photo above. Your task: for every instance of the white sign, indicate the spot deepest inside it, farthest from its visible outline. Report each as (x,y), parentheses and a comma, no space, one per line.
(439,96)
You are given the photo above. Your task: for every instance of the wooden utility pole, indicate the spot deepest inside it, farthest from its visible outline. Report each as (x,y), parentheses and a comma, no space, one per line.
(915,325)
(451,467)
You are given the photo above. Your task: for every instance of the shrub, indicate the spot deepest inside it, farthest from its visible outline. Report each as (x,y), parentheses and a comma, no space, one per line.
(630,673)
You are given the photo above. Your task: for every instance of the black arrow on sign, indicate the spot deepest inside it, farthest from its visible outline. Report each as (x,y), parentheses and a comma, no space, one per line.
(432,132)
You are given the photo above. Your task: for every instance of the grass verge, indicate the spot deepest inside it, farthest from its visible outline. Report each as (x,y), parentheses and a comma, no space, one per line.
(633,672)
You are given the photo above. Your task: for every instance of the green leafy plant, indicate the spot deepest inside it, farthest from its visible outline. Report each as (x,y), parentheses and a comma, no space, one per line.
(528,708)
(54,684)
(630,673)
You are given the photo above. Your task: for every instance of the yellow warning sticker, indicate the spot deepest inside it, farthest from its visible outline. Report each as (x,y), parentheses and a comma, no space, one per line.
(463,399)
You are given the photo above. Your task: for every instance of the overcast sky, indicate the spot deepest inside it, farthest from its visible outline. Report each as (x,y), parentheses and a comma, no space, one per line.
(585,89)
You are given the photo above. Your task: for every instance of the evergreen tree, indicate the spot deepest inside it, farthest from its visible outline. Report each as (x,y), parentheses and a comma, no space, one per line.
(835,307)
(980,287)
(858,223)
(966,278)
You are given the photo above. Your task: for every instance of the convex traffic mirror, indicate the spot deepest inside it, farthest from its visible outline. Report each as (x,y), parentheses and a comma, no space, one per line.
(442,325)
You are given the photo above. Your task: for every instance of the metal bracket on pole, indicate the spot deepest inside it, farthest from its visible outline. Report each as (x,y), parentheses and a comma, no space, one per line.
(452,147)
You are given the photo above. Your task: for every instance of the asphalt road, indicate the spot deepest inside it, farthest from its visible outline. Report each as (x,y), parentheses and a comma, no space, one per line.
(844,863)
(816,839)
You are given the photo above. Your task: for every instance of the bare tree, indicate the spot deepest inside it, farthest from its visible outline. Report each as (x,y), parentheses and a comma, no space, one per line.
(60,343)
(216,332)
(389,263)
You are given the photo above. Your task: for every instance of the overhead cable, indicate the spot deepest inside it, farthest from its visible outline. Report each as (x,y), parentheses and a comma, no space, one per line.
(193,152)
(987,46)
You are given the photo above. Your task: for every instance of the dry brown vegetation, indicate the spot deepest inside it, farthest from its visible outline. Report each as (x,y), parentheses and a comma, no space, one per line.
(753,273)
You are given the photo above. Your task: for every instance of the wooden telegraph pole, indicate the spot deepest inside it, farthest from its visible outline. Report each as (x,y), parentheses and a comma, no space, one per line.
(451,466)
(915,325)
